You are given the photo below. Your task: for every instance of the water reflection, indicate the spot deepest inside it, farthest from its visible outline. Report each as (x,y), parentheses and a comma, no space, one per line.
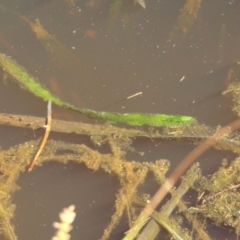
(109,50)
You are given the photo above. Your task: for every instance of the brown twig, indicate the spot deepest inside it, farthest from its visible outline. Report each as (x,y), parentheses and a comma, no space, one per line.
(211,196)
(45,136)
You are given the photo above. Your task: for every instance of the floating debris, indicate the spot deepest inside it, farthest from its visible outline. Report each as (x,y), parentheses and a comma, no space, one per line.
(141,3)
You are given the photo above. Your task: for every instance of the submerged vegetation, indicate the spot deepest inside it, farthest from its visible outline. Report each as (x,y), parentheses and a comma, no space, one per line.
(131,175)
(137,119)
(187,16)
(218,193)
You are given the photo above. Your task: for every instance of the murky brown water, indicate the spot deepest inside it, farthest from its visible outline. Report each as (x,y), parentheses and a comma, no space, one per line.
(105,55)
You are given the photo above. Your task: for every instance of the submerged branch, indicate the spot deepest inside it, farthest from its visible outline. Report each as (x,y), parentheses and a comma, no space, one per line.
(60,126)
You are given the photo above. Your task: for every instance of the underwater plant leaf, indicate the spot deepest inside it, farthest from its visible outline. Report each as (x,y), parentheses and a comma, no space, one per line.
(138,119)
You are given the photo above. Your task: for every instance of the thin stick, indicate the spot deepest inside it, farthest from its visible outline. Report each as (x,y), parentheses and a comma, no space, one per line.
(124,99)
(211,196)
(134,95)
(45,136)
(182,79)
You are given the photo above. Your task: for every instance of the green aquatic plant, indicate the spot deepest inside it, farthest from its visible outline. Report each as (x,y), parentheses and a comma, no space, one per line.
(131,174)
(138,119)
